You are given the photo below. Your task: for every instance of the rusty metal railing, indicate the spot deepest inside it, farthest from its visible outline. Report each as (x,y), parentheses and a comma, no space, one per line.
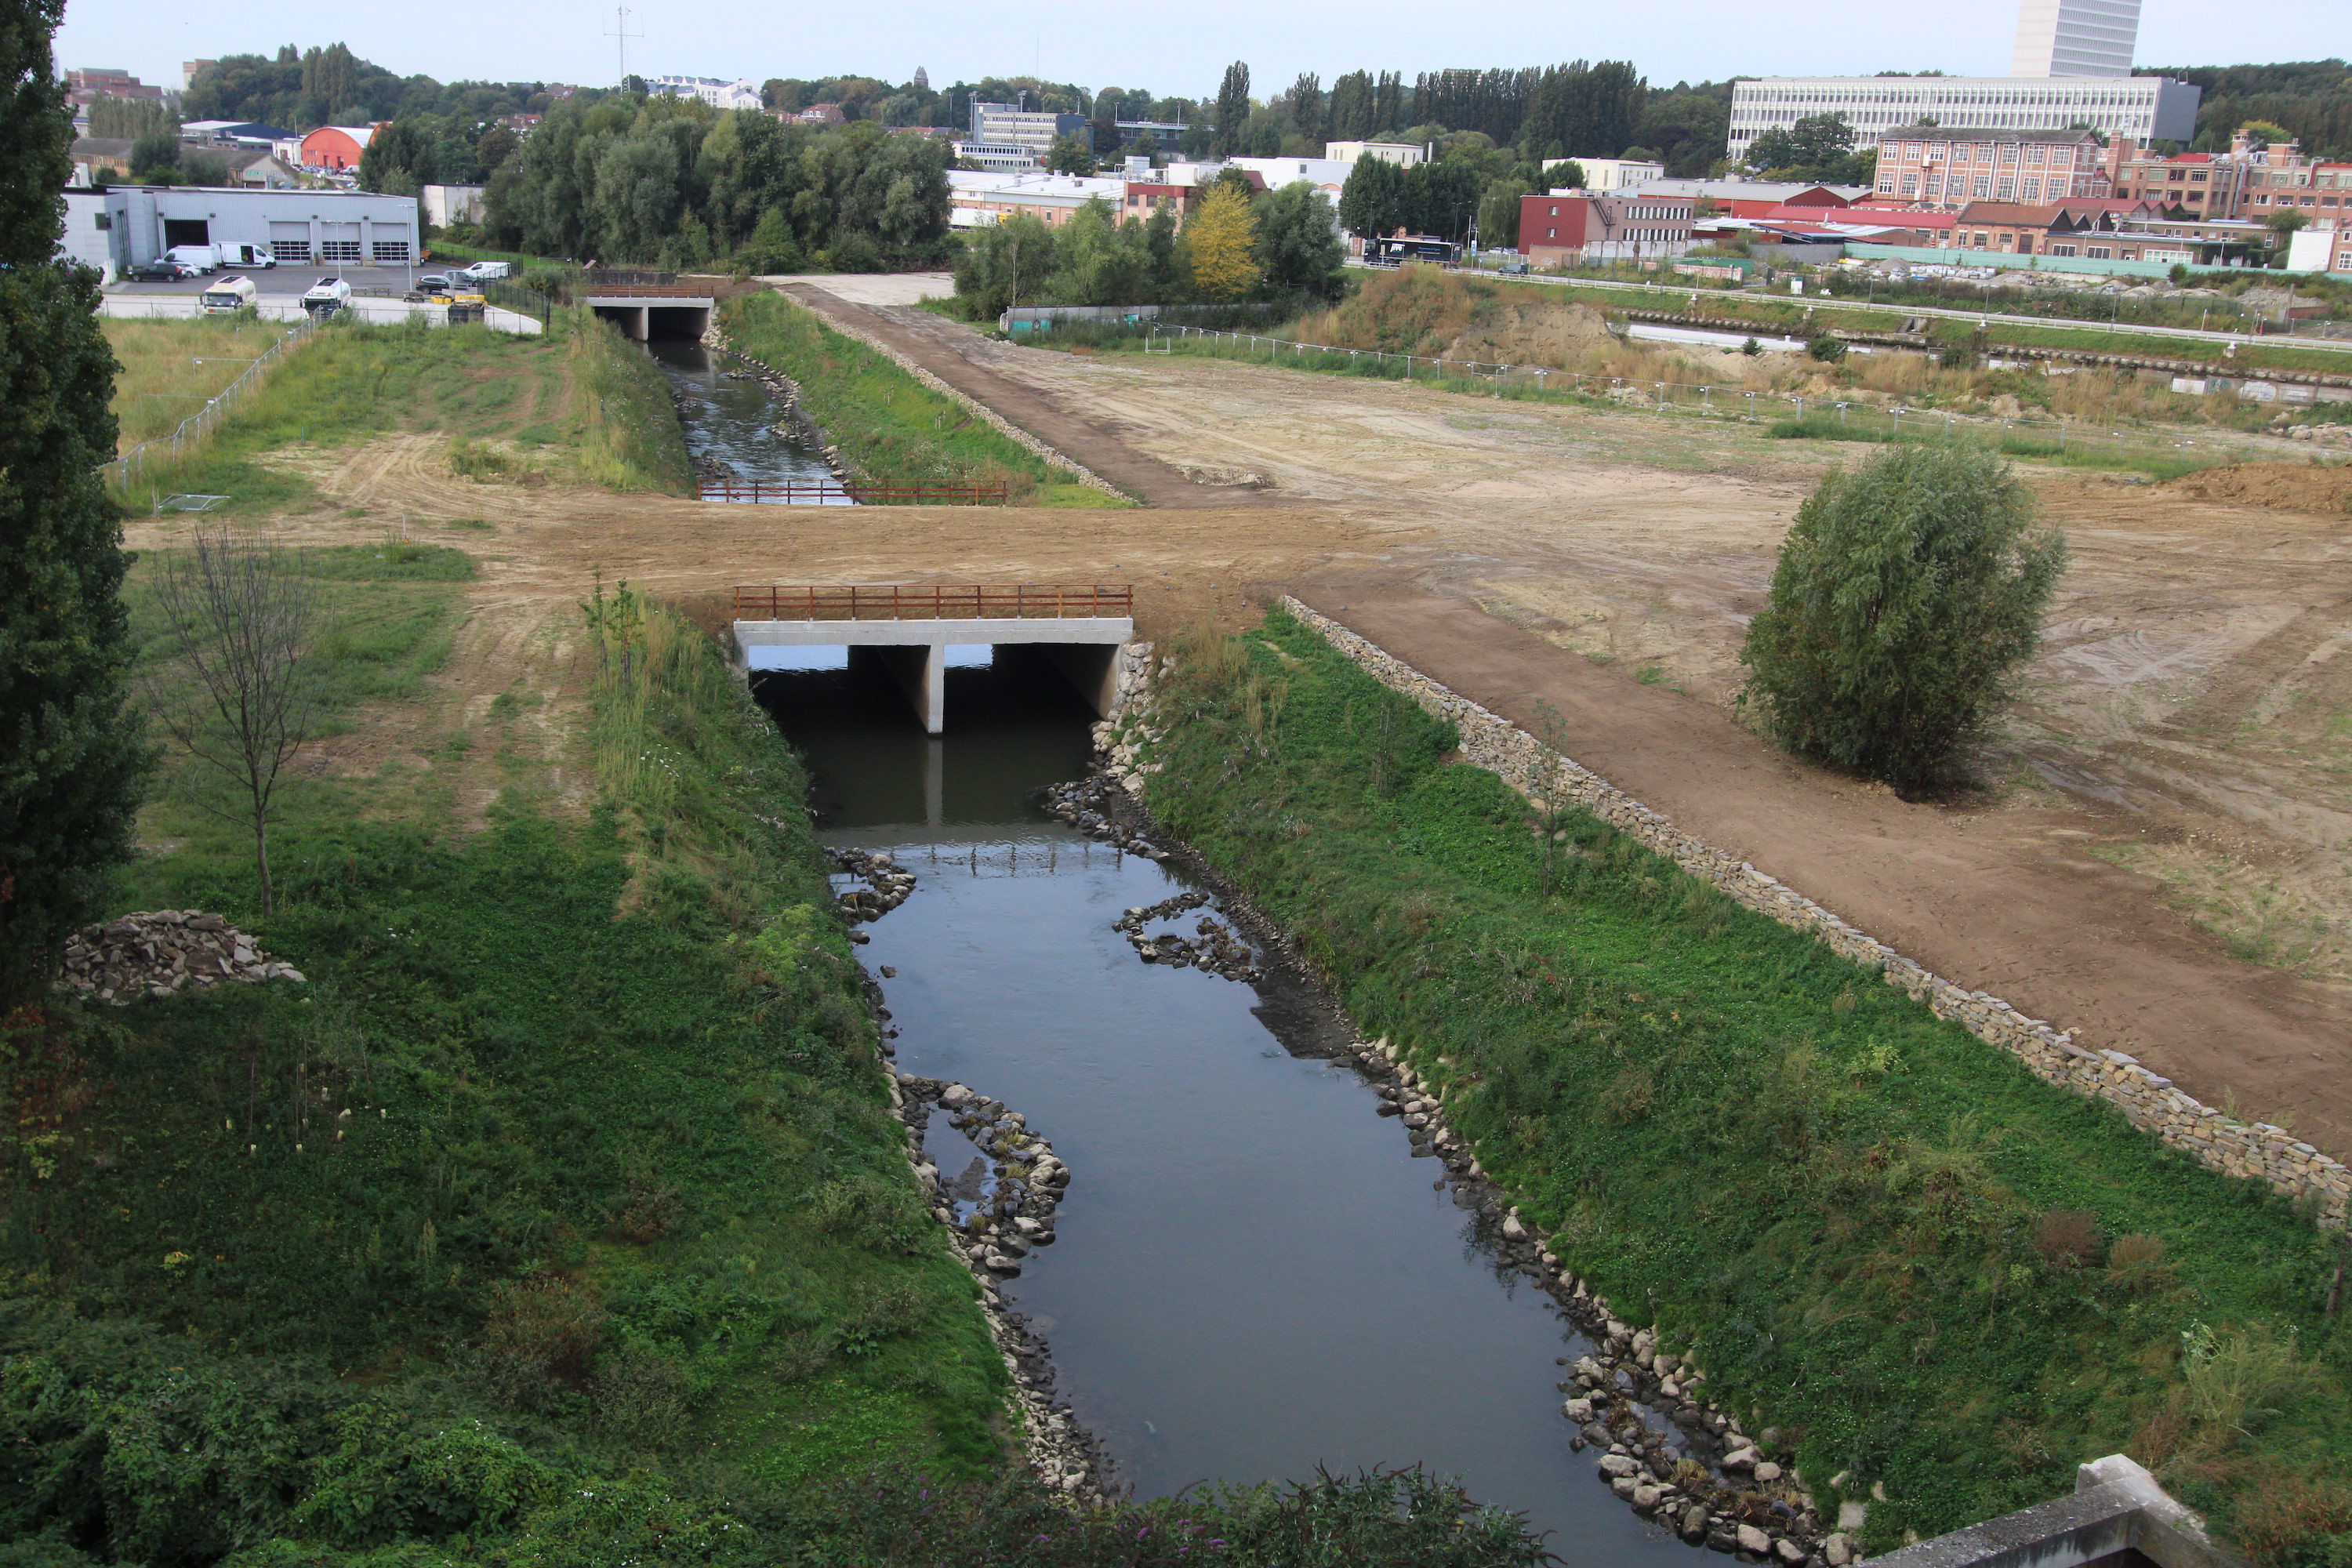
(894,602)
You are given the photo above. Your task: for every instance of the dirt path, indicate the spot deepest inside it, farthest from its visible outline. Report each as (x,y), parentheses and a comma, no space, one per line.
(2005,901)
(941,347)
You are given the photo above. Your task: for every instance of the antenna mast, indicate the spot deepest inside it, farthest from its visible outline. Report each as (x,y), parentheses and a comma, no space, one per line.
(621,37)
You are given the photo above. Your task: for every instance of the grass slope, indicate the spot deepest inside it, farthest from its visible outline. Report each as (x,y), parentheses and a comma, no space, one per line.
(579,400)
(1931,1272)
(896,430)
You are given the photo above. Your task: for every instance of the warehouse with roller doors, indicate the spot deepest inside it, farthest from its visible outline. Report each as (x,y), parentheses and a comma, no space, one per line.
(323,229)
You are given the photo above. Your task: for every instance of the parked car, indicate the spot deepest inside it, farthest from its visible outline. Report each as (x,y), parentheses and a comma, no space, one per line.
(326,296)
(436,283)
(163,269)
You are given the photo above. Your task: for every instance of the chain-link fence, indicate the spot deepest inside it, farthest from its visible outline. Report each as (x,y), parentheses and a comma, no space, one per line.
(127,470)
(1829,417)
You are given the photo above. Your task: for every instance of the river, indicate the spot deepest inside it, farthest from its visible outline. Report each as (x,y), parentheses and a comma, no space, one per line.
(731,421)
(1252,1275)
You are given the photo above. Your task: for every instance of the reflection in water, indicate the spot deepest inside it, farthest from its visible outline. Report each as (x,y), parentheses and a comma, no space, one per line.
(730,422)
(1253,1276)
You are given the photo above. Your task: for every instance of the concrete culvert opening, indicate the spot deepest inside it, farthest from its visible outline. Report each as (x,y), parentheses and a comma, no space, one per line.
(646,318)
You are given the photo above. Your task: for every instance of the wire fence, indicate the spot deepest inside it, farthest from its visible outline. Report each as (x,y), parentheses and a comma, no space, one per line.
(126,471)
(1851,418)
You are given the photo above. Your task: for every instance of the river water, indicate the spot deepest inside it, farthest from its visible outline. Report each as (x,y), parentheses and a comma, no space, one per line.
(731,421)
(1254,1276)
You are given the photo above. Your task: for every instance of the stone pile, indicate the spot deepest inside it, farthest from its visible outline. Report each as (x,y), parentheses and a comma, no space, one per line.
(2257,1151)
(1674,1454)
(1091,806)
(887,886)
(157,953)
(993,1222)
(1213,947)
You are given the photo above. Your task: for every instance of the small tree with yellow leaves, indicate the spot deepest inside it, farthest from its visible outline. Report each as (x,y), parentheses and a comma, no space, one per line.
(1223,235)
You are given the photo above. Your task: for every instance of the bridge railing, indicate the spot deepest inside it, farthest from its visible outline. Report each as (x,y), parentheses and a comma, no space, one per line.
(977,601)
(786,492)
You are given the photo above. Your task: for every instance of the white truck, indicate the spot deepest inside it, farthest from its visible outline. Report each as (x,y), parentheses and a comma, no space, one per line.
(243,255)
(203,258)
(228,294)
(486,271)
(326,296)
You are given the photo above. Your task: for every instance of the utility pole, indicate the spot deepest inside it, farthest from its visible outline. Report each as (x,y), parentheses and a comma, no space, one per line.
(621,37)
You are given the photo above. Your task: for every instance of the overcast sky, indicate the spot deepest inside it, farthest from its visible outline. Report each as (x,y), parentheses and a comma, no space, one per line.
(1173,51)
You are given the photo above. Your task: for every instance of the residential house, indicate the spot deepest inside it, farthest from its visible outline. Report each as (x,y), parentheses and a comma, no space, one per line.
(2090,229)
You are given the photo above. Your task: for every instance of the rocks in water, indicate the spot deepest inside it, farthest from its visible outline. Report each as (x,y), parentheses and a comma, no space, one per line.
(157,953)
(1213,947)
(887,885)
(1097,807)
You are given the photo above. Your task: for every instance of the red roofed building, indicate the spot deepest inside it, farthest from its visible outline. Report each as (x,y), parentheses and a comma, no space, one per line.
(336,146)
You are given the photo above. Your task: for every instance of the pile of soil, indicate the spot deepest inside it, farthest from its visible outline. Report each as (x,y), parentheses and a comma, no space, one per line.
(2285,486)
(1423,311)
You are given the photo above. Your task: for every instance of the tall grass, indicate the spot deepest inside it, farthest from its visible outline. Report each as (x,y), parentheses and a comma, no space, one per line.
(893,429)
(631,437)
(1880,1235)
(170,368)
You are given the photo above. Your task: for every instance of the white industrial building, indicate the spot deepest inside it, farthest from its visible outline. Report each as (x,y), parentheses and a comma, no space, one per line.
(2075,37)
(121,227)
(2070,65)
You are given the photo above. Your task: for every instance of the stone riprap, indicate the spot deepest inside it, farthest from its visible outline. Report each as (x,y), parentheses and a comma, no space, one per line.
(158,953)
(1006,1210)
(2150,1101)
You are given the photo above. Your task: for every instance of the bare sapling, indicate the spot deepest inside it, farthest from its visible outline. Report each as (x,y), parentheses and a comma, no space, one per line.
(239,619)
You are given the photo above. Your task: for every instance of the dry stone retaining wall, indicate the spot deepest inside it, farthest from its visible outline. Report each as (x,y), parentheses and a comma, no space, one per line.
(2148,1101)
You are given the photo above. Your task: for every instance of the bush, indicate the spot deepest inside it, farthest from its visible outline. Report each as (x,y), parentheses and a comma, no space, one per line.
(1907,591)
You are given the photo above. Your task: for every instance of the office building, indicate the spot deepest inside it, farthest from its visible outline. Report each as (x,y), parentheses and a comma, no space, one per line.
(2075,37)
(2145,108)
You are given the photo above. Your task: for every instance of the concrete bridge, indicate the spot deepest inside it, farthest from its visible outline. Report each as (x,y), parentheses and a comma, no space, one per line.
(1078,627)
(643,311)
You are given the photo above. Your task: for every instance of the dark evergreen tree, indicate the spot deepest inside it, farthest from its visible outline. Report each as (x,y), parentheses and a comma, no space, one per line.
(71,760)
(1232,109)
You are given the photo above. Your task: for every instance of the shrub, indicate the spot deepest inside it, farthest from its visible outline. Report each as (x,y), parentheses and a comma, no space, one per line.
(2067,1238)
(1827,350)
(1908,591)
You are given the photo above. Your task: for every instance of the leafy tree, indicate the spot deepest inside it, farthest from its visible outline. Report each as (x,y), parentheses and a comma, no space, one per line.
(131,118)
(1223,239)
(72,759)
(1498,213)
(1565,176)
(1068,155)
(1298,250)
(1233,110)
(1372,201)
(155,154)
(1689,129)
(1908,593)
(1818,147)
(1306,106)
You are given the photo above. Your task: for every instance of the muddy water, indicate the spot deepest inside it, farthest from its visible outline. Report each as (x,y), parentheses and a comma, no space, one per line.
(1252,1275)
(730,422)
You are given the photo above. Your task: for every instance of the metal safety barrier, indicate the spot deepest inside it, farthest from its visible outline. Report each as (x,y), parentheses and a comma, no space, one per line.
(894,602)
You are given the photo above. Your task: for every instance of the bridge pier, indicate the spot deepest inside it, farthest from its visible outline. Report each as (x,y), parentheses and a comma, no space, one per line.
(913,648)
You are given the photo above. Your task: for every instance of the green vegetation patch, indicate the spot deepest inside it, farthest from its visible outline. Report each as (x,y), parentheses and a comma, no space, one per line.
(1930,1271)
(579,385)
(892,427)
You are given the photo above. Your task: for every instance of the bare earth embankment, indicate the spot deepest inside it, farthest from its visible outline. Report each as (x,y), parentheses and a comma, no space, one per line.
(2187,719)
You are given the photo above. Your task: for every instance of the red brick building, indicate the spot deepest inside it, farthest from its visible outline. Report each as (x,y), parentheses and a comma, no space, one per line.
(1944,168)
(1580,225)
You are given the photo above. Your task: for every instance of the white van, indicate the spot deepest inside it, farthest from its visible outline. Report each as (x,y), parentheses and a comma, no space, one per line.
(487,271)
(243,255)
(230,293)
(206,259)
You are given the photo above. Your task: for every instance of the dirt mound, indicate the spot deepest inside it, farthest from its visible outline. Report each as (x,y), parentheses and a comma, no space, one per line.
(2285,487)
(1421,310)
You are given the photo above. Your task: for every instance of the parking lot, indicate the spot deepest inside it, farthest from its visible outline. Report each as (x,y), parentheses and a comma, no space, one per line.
(292,281)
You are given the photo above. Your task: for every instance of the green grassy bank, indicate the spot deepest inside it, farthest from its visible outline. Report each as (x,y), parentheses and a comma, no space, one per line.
(1932,1274)
(559,1218)
(577,403)
(896,430)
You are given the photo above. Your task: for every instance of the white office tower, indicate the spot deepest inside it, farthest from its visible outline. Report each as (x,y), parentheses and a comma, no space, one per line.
(2075,37)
